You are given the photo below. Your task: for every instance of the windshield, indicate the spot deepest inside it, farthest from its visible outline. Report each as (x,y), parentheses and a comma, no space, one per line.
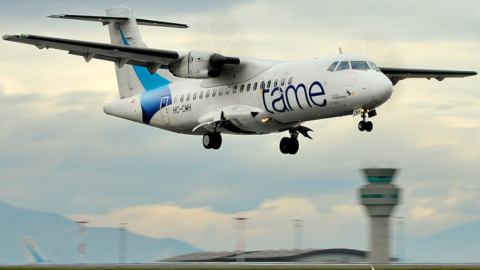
(360,65)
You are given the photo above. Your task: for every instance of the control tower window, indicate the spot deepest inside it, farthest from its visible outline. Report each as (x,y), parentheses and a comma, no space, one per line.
(343,65)
(332,66)
(373,66)
(362,65)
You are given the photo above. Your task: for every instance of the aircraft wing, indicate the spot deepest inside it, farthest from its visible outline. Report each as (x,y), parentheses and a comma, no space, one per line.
(397,74)
(153,59)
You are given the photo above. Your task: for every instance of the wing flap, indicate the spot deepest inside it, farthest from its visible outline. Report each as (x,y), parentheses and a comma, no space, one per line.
(134,56)
(397,74)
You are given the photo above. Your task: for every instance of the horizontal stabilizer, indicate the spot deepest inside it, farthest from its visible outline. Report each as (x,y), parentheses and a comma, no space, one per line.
(108,20)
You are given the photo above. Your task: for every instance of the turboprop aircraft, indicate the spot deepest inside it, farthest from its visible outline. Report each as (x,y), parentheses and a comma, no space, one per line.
(205,93)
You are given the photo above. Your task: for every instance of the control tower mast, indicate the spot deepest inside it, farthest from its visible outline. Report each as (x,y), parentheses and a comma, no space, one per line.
(380,197)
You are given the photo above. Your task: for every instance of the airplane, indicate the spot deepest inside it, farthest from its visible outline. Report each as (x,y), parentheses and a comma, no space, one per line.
(208,94)
(33,253)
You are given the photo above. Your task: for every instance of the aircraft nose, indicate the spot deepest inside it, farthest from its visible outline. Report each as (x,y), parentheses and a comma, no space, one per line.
(381,89)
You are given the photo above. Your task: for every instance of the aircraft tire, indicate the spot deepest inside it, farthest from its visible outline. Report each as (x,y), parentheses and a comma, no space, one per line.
(217,141)
(208,140)
(369,126)
(361,125)
(285,145)
(293,146)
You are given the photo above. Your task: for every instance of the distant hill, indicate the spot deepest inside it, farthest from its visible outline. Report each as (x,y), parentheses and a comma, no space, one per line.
(460,244)
(57,237)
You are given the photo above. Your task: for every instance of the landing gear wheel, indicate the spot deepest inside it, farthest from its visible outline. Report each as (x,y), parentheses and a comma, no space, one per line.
(289,145)
(217,141)
(285,145)
(208,140)
(212,140)
(368,126)
(362,125)
(293,147)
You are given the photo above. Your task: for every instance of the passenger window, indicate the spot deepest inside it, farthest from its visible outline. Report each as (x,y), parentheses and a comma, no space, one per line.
(290,81)
(275,83)
(248,87)
(207,94)
(176,99)
(214,92)
(195,96)
(361,65)
(343,65)
(188,97)
(181,98)
(227,91)
(332,66)
(262,86)
(234,89)
(241,89)
(268,84)
(373,66)
(220,92)
(254,86)
(283,82)
(201,95)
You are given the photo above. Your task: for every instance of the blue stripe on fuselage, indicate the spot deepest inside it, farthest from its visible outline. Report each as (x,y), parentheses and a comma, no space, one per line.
(156,88)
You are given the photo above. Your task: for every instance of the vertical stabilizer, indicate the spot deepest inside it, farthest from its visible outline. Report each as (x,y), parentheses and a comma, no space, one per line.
(33,253)
(132,79)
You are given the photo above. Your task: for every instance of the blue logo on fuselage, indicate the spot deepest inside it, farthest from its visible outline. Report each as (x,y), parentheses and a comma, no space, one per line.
(156,88)
(282,103)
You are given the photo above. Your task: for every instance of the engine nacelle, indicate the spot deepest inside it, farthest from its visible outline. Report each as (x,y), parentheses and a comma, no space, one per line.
(201,65)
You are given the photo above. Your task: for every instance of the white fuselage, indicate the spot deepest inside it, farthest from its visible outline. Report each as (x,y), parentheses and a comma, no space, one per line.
(294,92)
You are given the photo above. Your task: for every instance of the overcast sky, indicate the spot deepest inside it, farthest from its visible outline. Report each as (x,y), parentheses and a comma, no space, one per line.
(60,153)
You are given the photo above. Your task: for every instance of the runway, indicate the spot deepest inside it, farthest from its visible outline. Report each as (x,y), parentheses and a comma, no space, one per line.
(242,266)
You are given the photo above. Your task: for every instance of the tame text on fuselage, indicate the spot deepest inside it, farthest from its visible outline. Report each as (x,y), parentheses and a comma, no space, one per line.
(283,103)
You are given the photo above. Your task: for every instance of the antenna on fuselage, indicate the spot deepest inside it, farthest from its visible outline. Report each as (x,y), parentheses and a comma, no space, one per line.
(340,50)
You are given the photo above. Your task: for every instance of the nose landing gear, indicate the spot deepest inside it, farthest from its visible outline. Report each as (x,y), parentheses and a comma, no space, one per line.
(366,125)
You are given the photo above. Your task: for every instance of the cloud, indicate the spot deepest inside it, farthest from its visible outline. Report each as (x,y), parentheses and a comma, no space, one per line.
(269,225)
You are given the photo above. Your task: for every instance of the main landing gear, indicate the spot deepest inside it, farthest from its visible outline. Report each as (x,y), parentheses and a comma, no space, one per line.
(366,125)
(291,145)
(213,140)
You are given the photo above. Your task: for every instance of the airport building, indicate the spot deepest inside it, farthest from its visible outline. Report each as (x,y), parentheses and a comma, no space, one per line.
(338,255)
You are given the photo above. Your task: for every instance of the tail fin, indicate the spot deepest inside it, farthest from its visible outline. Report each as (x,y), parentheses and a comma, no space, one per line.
(123,28)
(132,79)
(34,255)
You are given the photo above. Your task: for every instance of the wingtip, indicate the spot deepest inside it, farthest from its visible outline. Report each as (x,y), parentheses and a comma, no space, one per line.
(55,16)
(9,37)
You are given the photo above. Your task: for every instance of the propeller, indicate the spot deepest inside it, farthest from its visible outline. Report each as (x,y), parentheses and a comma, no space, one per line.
(385,52)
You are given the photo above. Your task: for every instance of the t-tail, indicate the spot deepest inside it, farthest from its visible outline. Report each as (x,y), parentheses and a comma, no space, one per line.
(123,28)
(33,253)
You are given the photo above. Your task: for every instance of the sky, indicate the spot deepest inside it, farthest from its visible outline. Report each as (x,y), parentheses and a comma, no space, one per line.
(60,153)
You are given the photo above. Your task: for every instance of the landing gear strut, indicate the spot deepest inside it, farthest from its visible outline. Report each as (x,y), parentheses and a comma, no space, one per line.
(364,125)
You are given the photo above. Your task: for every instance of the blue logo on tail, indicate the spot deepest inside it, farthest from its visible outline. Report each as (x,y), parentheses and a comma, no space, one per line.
(156,88)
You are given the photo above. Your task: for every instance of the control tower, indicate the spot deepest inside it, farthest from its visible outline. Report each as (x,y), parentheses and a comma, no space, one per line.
(380,197)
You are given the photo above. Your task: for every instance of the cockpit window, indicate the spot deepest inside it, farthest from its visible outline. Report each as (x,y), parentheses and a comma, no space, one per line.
(373,66)
(343,65)
(332,66)
(362,65)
